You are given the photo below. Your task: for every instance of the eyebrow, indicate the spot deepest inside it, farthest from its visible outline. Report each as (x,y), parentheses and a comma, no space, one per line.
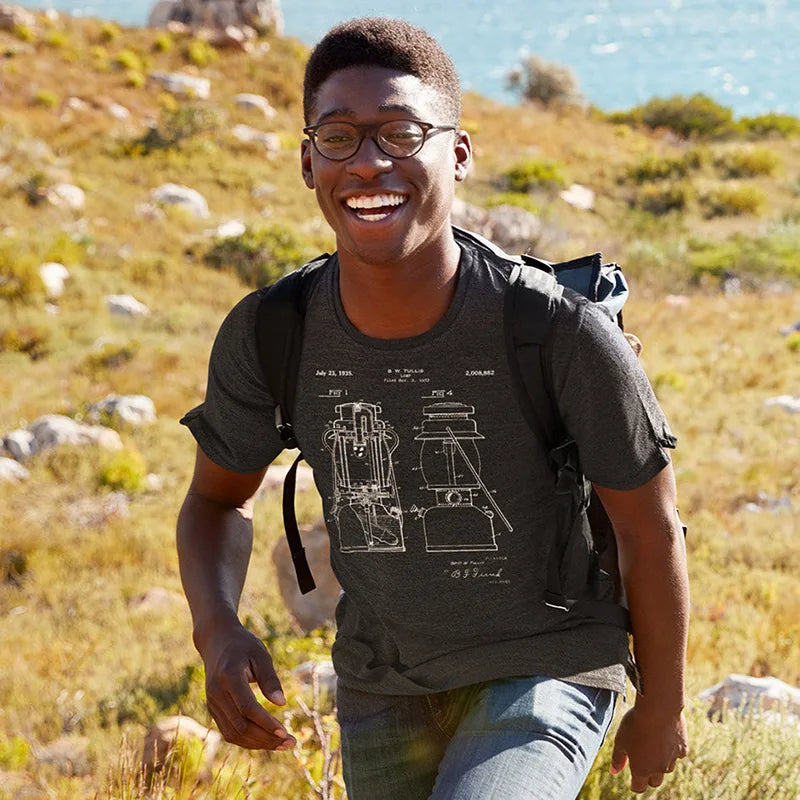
(349,112)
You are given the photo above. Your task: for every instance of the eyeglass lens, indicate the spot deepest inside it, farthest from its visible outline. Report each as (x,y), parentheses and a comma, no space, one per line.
(400,138)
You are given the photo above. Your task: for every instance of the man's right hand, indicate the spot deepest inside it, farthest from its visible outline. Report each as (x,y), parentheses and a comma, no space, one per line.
(234,658)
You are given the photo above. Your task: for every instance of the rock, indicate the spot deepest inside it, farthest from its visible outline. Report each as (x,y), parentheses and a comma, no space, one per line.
(263,15)
(315,609)
(230,229)
(751,695)
(153,482)
(511,228)
(132,409)
(76,104)
(12,17)
(53,276)
(175,194)
(183,84)
(578,196)
(244,133)
(234,38)
(68,754)
(126,305)
(326,681)
(162,736)
(11,471)
(677,300)
(256,102)
(786,330)
(273,479)
(20,443)
(67,195)
(156,599)
(54,430)
(89,513)
(118,111)
(786,401)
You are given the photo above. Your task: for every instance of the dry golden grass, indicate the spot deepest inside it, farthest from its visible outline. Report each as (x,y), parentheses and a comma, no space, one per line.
(76,657)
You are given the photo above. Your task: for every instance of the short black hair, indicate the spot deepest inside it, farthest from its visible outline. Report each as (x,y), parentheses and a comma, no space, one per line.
(382,42)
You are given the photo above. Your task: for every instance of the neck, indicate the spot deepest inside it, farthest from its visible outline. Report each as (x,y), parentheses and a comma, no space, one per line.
(397,300)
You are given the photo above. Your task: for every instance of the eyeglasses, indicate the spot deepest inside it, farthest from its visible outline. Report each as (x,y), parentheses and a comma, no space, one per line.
(398,138)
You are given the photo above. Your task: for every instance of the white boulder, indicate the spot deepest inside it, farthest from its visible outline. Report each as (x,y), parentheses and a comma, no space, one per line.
(511,228)
(325,676)
(126,305)
(177,195)
(53,430)
(578,196)
(230,229)
(245,133)
(12,17)
(183,84)
(118,111)
(20,443)
(132,409)
(67,195)
(255,102)
(786,401)
(162,736)
(752,695)
(53,276)
(11,471)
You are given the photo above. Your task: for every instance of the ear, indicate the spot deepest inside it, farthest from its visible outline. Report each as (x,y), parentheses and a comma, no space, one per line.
(463,153)
(305,163)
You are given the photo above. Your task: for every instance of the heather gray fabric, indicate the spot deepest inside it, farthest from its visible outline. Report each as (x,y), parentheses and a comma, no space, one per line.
(437,498)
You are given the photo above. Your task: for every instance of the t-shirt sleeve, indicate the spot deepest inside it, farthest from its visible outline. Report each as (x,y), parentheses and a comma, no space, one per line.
(235,426)
(606,400)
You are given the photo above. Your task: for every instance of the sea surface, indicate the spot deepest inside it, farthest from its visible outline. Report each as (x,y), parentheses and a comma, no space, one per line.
(744,53)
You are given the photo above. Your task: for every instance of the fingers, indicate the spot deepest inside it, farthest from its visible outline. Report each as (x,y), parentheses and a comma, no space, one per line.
(641,783)
(619,759)
(244,733)
(264,675)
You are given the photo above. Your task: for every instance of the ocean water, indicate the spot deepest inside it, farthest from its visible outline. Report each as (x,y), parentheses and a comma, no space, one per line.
(744,53)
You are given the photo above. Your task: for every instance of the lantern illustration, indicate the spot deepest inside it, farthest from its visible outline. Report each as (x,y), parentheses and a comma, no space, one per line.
(462,518)
(366,504)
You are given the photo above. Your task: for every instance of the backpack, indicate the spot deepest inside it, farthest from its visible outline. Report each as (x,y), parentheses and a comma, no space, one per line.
(583,557)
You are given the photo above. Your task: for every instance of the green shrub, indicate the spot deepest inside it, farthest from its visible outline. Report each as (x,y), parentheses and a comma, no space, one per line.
(696,116)
(535,173)
(126,470)
(201,53)
(260,255)
(747,162)
(661,199)
(540,81)
(19,274)
(729,201)
(46,98)
(652,167)
(15,753)
(163,43)
(25,33)
(128,59)
(524,201)
(783,125)
(135,79)
(793,342)
(66,249)
(111,355)
(57,39)
(109,32)
(33,340)
(176,125)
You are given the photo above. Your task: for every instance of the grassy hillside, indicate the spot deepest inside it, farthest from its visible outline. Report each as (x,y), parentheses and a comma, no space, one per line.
(87,534)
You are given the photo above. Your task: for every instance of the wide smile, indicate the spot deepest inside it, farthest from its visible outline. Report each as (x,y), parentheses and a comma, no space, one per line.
(375,207)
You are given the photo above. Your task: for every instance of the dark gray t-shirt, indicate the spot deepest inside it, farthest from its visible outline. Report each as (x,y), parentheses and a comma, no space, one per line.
(438,500)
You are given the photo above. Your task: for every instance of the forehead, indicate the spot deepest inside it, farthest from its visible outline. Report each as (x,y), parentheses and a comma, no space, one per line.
(366,92)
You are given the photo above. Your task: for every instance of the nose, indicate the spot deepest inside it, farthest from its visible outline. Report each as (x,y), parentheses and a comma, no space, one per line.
(369,160)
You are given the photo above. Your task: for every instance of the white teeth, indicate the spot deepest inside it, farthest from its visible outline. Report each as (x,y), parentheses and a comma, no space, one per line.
(375,201)
(373,217)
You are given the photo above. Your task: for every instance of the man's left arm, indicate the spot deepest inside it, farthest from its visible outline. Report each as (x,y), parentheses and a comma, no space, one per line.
(652,735)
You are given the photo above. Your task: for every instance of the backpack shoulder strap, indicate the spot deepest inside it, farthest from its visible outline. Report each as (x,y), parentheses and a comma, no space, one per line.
(280,319)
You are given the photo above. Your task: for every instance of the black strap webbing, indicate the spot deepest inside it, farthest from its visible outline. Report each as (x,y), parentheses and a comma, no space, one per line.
(305,580)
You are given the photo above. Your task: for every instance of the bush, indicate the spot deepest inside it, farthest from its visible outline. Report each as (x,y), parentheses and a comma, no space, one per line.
(46,98)
(540,81)
(109,32)
(57,39)
(163,43)
(535,173)
(111,355)
(727,201)
(517,199)
(260,255)
(134,79)
(15,753)
(783,125)
(19,274)
(128,59)
(126,470)
(747,162)
(176,125)
(660,199)
(201,53)
(33,340)
(653,167)
(696,116)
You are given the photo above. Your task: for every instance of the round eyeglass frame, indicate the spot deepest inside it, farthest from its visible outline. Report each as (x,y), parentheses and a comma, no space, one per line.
(372,130)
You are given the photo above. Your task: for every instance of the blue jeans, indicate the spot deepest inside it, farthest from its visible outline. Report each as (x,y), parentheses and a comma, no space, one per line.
(511,739)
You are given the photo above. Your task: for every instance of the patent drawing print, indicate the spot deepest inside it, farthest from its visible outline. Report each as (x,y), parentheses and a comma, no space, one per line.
(366,504)
(462,518)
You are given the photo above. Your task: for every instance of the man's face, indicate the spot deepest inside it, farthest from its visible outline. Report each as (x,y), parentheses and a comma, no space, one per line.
(415,194)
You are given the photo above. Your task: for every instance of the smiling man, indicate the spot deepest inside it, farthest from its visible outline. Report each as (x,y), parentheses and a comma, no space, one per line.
(455,679)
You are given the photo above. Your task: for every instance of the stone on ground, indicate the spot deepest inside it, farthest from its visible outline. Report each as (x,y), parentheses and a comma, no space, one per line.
(132,409)
(163,735)
(177,195)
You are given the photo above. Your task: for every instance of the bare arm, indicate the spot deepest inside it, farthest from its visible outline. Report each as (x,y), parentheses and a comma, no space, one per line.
(652,735)
(214,539)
